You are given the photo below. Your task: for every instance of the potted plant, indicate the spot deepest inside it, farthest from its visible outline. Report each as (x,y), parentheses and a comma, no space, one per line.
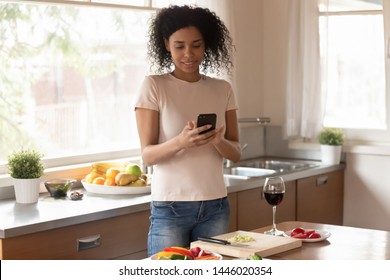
(331,140)
(26,169)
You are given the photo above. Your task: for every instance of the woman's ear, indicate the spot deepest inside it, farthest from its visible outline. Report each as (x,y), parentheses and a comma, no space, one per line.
(166,42)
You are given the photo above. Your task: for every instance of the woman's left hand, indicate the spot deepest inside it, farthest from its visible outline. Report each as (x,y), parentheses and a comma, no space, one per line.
(218,135)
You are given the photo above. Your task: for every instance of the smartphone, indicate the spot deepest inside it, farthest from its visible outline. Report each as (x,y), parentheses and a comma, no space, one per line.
(204,119)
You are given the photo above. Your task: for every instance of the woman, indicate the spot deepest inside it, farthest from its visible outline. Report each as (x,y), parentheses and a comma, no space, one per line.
(189,197)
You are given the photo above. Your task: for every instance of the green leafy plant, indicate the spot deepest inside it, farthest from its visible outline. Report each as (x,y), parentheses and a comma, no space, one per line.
(331,136)
(25,164)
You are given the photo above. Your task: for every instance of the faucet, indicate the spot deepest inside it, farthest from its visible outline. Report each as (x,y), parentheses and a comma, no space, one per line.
(229,163)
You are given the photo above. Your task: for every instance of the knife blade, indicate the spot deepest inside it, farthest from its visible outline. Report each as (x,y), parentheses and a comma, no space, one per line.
(221,241)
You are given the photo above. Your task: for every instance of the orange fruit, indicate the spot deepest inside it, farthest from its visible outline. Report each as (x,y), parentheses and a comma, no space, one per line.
(111,173)
(109,182)
(98,181)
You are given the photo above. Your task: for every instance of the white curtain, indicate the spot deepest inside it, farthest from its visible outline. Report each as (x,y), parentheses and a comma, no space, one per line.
(304,109)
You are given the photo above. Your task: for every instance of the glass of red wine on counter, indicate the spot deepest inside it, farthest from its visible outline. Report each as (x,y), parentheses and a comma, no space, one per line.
(273,191)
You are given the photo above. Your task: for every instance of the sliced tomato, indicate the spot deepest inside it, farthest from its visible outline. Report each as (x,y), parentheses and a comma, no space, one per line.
(195,251)
(296,231)
(310,231)
(203,253)
(300,235)
(314,235)
(179,250)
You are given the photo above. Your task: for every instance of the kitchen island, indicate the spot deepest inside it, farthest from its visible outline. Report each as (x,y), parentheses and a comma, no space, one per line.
(345,243)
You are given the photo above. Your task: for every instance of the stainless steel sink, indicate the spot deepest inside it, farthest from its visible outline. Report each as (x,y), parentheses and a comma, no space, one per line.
(265,167)
(280,166)
(241,172)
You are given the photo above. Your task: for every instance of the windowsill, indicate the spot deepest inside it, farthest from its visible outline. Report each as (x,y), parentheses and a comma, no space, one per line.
(354,147)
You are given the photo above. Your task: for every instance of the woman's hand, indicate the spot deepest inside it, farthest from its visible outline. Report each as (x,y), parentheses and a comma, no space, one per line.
(190,137)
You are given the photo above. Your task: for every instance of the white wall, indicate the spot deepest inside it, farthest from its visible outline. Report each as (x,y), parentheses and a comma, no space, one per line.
(367,191)
(275,57)
(248,38)
(260,36)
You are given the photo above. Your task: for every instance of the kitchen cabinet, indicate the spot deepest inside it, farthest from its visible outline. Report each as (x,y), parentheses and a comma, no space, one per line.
(320,198)
(253,211)
(113,238)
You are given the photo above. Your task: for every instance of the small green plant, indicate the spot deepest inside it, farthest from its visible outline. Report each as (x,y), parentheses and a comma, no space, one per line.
(331,136)
(25,164)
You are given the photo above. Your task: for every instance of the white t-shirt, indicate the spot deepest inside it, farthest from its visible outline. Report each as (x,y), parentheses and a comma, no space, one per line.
(197,173)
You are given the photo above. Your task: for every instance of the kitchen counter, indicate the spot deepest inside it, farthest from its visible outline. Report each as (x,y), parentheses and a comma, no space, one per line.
(345,243)
(49,213)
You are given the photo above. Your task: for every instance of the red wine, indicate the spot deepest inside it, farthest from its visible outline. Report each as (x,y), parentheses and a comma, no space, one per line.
(274,198)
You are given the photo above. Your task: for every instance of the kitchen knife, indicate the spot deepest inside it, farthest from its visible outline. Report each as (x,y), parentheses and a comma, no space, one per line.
(221,241)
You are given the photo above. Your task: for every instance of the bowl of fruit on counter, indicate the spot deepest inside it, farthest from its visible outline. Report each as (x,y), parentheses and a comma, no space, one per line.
(116,178)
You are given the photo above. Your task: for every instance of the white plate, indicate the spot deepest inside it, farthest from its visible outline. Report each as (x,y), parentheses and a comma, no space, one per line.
(101,189)
(154,257)
(324,235)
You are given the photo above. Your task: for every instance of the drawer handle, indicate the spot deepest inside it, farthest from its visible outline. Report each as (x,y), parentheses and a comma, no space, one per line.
(322,180)
(88,242)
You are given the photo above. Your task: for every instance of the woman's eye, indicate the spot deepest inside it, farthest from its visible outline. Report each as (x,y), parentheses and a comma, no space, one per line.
(182,47)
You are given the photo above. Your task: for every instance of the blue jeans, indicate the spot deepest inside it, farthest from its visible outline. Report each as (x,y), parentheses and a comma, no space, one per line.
(178,223)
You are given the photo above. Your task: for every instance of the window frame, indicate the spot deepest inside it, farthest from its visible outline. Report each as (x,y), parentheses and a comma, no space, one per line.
(372,136)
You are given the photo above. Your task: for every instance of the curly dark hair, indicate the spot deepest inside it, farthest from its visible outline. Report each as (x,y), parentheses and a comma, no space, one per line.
(218,43)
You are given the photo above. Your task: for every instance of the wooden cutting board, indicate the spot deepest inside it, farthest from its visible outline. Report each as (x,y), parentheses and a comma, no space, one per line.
(263,245)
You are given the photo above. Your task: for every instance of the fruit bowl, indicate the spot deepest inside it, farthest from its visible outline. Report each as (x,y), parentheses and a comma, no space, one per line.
(116,190)
(59,187)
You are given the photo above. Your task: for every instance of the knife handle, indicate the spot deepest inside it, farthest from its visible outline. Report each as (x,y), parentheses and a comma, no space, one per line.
(214,240)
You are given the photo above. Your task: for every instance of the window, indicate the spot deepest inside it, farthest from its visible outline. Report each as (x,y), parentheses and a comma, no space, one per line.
(354,55)
(69,76)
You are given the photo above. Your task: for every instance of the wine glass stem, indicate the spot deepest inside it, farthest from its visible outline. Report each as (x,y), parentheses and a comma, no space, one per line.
(273,217)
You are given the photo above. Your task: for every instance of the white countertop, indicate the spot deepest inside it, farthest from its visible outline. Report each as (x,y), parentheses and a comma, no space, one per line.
(49,213)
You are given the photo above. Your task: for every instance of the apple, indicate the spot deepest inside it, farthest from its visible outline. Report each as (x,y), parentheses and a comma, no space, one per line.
(133,169)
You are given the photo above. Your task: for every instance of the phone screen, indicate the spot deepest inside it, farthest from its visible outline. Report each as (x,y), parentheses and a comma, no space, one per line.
(204,119)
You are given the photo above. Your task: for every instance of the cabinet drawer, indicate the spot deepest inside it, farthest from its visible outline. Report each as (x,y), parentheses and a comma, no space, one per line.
(104,239)
(320,198)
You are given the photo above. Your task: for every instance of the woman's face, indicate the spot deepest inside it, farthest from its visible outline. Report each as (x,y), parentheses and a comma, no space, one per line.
(187,48)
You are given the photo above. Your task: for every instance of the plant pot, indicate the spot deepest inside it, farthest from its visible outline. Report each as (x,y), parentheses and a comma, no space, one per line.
(331,154)
(27,190)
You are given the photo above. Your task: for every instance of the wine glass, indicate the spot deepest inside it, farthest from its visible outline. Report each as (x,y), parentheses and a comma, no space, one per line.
(274,190)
